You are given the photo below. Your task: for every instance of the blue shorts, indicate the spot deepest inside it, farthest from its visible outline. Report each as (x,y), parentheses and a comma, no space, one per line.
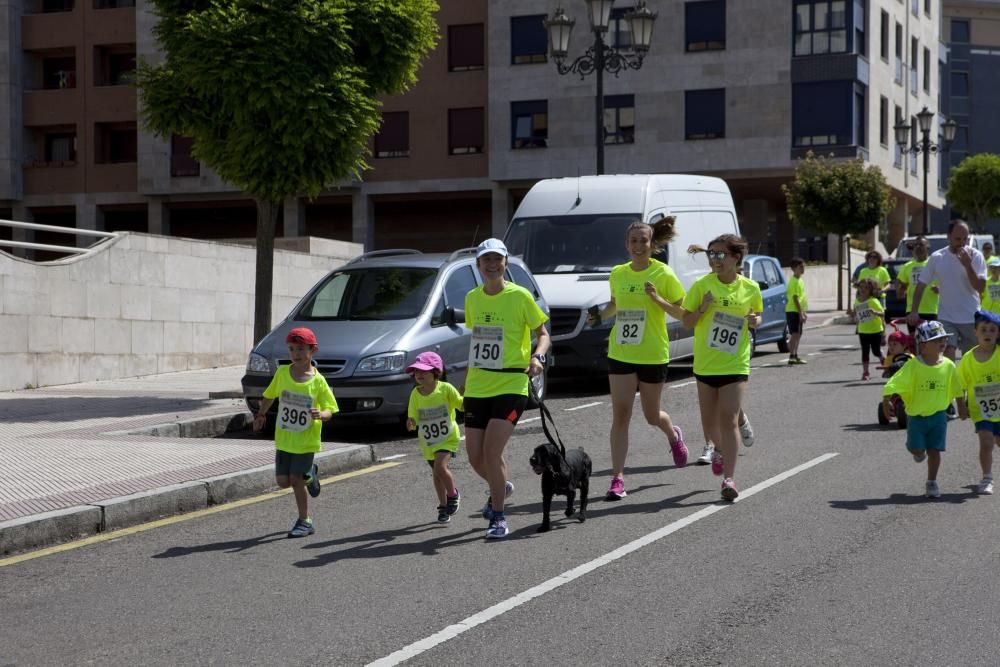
(987,425)
(927,432)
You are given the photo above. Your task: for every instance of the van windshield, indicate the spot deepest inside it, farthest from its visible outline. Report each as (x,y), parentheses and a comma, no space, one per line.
(388,293)
(570,243)
(936,242)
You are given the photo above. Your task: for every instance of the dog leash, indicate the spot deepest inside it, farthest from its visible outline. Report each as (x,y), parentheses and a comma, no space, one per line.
(544,411)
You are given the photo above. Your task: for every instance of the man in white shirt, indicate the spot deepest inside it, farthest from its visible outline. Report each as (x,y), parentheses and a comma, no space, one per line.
(961,272)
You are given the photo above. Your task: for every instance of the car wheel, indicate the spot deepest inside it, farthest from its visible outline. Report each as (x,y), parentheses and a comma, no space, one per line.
(883,419)
(783,343)
(900,415)
(541,383)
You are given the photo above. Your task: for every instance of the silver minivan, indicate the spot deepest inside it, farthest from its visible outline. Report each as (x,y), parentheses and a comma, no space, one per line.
(372,317)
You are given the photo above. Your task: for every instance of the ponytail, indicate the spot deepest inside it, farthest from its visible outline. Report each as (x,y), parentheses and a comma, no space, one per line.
(662,231)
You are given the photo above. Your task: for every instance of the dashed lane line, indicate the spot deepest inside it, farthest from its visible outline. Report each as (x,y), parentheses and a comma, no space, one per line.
(585,405)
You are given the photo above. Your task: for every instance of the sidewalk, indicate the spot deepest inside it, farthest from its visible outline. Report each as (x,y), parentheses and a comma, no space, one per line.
(71,464)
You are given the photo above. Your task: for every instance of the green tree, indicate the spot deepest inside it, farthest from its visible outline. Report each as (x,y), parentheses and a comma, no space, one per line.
(280,97)
(837,198)
(974,188)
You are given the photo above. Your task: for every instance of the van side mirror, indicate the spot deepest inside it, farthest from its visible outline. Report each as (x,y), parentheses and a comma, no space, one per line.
(763,285)
(453,316)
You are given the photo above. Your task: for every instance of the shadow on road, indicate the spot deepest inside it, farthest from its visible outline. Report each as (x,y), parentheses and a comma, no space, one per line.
(874,426)
(72,408)
(232,546)
(899,499)
(382,544)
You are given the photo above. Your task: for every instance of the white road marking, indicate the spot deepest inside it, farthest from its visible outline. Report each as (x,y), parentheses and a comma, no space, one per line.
(682,384)
(462,626)
(585,405)
(529,419)
(391,457)
(813,354)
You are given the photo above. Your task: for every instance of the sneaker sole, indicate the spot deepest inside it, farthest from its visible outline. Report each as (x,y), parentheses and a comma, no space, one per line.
(493,536)
(614,497)
(730,494)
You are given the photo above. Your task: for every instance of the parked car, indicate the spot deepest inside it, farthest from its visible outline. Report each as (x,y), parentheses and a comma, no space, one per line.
(938,241)
(372,317)
(894,306)
(773,289)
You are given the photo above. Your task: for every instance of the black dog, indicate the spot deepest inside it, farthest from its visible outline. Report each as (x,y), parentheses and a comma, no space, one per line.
(562,476)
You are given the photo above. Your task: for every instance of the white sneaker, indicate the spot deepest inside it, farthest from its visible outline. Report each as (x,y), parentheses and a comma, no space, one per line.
(746,432)
(932,490)
(706,454)
(985,486)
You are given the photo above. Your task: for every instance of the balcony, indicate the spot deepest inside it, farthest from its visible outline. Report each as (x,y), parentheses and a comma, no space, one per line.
(112,103)
(122,177)
(41,32)
(115,26)
(51,107)
(57,177)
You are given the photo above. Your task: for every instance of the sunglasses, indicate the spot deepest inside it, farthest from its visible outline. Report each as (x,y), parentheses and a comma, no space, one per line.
(717,255)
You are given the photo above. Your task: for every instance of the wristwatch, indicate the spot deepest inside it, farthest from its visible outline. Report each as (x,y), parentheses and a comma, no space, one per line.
(541,358)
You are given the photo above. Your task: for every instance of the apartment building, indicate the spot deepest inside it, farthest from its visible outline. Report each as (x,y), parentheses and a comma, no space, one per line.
(733,89)
(970,86)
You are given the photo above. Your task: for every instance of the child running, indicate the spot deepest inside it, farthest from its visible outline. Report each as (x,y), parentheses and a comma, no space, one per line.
(432,414)
(991,294)
(926,384)
(868,312)
(795,310)
(304,402)
(979,372)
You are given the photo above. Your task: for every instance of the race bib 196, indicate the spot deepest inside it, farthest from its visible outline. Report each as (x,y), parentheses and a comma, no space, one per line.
(988,400)
(725,332)
(435,424)
(486,348)
(293,412)
(630,326)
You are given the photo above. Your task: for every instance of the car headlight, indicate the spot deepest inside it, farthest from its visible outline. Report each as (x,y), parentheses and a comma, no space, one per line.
(607,322)
(382,363)
(258,363)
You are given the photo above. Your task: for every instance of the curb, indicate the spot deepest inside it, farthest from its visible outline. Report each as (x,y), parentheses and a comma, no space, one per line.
(63,525)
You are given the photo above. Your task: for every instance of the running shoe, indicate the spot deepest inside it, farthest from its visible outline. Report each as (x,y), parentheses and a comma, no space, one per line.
(706,454)
(865,376)
(453,502)
(716,463)
(508,491)
(799,361)
(678,449)
(918,455)
(986,486)
(791,361)
(746,432)
(302,528)
(729,491)
(951,411)
(932,490)
(617,489)
(312,481)
(443,515)
(498,529)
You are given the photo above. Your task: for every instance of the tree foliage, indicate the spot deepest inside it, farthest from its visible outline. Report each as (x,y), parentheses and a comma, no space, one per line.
(280,97)
(974,188)
(837,197)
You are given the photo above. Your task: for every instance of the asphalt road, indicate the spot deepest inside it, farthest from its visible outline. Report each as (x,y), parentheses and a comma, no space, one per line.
(831,556)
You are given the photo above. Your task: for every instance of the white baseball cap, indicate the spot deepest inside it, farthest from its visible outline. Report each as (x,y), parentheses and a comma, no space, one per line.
(491,245)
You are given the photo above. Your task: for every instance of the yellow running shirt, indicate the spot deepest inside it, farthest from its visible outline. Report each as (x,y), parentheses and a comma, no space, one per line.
(869,316)
(796,288)
(991,296)
(982,382)
(910,274)
(925,390)
(434,413)
(879,273)
(501,326)
(639,335)
(721,337)
(296,432)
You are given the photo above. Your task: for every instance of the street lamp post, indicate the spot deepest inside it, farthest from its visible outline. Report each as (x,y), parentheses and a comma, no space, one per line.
(924,122)
(600,57)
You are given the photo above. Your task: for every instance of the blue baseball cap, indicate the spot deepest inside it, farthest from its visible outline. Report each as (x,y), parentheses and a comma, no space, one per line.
(987,316)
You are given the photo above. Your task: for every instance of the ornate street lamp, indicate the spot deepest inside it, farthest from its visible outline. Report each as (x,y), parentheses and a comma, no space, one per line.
(601,57)
(925,121)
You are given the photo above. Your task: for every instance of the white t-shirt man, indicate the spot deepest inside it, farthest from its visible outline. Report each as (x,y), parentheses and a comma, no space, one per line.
(959,300)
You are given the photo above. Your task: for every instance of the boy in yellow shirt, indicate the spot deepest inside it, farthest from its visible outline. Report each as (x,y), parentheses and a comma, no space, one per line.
(991,294)
(979,371)
(795,310)
(927,384)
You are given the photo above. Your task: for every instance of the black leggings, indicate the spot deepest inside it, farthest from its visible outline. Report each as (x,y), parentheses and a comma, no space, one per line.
(873,342)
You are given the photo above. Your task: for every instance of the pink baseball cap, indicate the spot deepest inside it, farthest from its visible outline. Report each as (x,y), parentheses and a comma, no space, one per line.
(426,361)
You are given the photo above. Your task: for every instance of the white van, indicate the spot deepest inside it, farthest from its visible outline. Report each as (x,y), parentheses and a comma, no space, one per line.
(571,232)
(938,241)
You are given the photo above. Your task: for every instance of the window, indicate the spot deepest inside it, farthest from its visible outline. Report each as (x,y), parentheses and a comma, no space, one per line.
(820,27)
(914,139)
(619,119)
(466,131)
(393,138)
(619,33)
(860,35)
(899,55)
(113,4)
(757,272)
(915,7)
(60,146)
(57,6)
(772,274)
(959,84)
(927,70)
(927,7)
(914,59)
(114,65)
(465,47)
(705,25)
(459,283)
(860,109)
(705,114)
(521,277)
(897,159)
(115,143)
(961,143)
(59,72)
(959,31)
(822,113)
(884,47)
(883,121)
(528,39)
(182,162)
(529,124)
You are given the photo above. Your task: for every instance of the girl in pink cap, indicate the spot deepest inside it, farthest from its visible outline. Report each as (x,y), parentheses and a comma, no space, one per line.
(432,414)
